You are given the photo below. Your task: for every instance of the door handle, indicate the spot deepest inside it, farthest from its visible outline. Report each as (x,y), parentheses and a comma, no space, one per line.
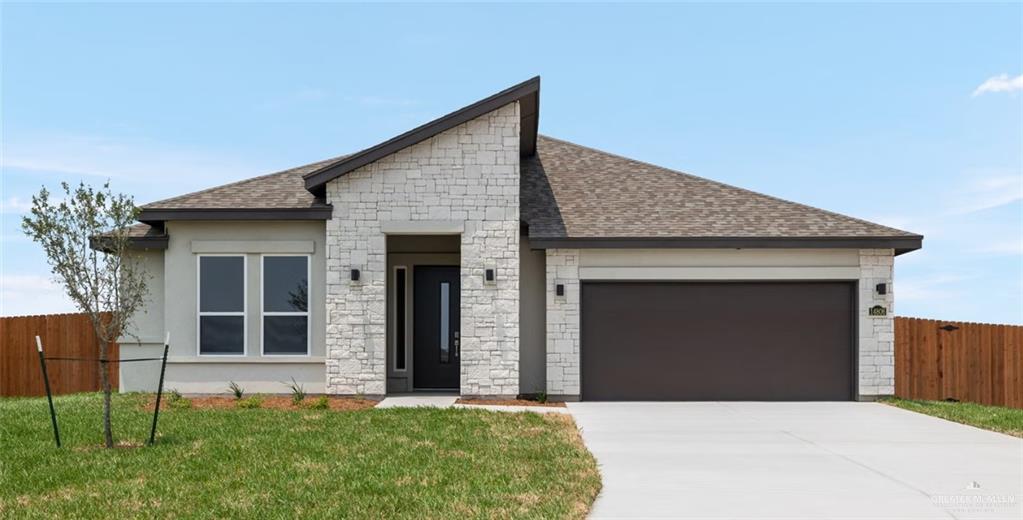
(457,343)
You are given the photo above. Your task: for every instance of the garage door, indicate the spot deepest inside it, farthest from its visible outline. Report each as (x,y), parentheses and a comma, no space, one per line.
(717,341)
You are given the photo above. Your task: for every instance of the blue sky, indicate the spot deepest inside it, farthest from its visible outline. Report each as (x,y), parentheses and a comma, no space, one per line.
(875,111)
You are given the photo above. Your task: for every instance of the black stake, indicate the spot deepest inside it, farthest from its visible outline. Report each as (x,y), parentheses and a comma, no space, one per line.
(49,396)
(159,391)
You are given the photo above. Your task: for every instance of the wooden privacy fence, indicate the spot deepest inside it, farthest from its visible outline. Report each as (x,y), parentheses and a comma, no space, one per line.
(63,335)
(975,362)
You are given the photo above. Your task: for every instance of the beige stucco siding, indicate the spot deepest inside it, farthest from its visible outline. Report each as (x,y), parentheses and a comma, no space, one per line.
(145,334)
(175,298)
(532,320)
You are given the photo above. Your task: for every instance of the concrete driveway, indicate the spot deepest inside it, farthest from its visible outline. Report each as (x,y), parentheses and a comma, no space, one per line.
(796,460)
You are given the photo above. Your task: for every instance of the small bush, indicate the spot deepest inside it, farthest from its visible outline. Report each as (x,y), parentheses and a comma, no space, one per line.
(321,403)
(252,402)
(176,401)
(236,389)
(540,397)
(297,391)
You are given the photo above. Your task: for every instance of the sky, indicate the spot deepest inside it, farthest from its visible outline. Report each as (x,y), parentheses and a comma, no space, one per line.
(909,115)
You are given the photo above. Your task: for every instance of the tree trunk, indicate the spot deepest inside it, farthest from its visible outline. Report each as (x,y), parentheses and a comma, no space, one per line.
(104,378)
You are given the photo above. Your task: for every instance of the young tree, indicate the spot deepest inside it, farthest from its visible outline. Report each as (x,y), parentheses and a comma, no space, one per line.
(86,241)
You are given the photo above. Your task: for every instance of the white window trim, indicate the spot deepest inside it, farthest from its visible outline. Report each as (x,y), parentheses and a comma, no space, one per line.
(199,312)
(394,326)
(309,305)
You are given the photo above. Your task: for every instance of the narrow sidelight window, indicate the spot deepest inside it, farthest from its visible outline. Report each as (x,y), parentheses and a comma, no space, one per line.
(285,316)
(445,349)
(399,318)
(221,305)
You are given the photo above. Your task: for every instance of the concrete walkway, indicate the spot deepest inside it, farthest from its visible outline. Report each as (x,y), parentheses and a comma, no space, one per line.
(448,401)
(416,401)
(796,460)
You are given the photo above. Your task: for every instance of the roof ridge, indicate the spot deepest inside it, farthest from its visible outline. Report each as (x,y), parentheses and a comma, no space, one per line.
(244,181)
(730,186)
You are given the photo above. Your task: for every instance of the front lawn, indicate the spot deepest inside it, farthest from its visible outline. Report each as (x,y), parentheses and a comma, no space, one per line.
(994,418)
(260,463)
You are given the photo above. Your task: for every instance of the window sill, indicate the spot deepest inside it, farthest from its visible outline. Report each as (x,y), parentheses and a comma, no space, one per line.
(307,360)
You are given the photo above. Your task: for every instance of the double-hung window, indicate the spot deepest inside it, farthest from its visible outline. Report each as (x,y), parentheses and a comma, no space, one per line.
(222,305)
(285,305)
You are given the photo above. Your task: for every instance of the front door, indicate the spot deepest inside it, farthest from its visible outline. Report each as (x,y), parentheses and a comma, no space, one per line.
(436,318)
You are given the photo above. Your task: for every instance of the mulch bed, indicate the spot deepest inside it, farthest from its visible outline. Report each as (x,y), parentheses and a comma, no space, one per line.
(268,402)
(510,402)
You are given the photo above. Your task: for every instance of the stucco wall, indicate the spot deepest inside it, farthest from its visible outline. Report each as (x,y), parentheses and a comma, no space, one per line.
(867,267)
(145,334)
(189,372)
(532,320)
(465,179)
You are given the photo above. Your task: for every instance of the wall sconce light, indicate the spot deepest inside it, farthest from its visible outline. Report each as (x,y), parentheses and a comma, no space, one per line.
(355,275)
(559,289)
(488,275)
(882,288)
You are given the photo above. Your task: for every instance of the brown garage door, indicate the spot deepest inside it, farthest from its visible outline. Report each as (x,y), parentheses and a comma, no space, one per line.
(785,341)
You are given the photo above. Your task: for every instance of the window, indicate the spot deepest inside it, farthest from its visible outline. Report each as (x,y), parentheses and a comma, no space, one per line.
(399,318)
(222,305)
(285,319)
(445,308)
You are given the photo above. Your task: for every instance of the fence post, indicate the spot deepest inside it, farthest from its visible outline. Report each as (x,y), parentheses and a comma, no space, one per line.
(159,390)
(49,395)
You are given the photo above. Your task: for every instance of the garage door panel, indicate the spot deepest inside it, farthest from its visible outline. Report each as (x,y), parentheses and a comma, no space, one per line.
(717,341)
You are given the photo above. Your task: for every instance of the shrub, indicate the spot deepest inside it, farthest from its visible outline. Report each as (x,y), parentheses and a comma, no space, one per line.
(252,402)
(321,403)
(237,390)
(176,401)
(297,392)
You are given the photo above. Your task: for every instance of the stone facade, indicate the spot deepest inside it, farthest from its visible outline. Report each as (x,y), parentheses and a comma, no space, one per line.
(877,333)
(467,175)
(563,323)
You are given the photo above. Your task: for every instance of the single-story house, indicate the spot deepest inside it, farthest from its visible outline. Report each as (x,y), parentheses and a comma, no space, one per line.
(473,255)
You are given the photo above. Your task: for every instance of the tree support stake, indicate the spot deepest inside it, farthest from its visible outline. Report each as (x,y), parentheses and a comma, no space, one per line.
(159,390)
(49,395)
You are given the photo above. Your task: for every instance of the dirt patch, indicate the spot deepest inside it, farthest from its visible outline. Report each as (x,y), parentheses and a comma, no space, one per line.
(510,402)
(269,402)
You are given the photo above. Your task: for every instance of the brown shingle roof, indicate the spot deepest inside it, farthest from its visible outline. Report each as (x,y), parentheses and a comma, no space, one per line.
(143,231)
(574,192)
(281,190)
(571,191)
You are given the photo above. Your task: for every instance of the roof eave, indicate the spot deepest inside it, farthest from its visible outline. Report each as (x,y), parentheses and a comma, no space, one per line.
(157,215)
(100,243)
(528,92)
(901,244)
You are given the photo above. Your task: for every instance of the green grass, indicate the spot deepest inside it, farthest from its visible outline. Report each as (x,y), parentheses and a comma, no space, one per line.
(393,463)
(994,418)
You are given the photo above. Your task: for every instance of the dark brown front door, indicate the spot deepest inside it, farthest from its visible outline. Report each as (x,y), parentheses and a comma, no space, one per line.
(436,335)
(784,341)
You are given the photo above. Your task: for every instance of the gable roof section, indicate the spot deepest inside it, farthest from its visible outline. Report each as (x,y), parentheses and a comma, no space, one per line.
(527,92)
(281,196)
(574,196)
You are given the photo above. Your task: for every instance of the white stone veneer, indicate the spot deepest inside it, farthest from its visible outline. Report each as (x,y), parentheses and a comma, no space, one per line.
(470,175)
(877,333)
(563,323)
